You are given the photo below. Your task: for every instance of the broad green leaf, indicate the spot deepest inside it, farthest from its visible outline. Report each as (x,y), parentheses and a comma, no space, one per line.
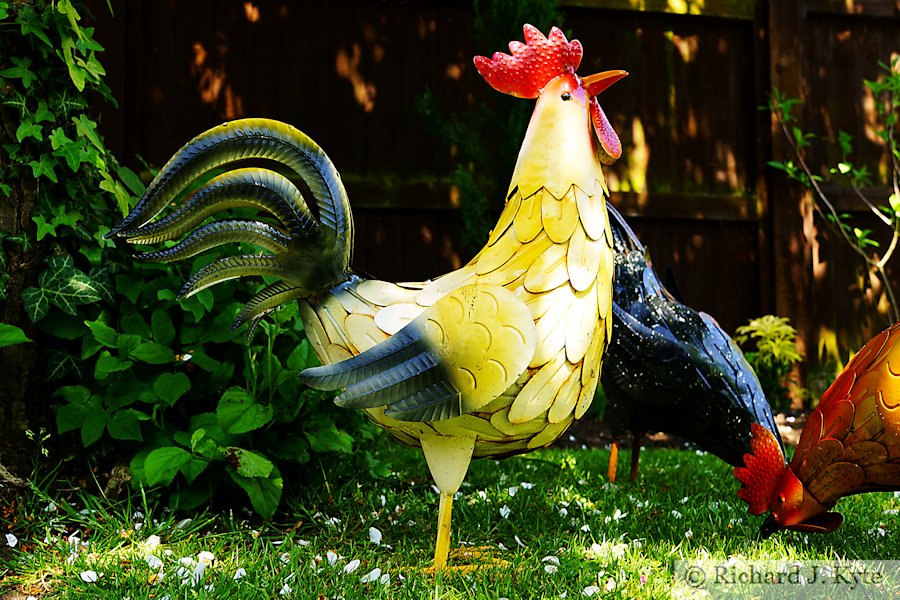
(21,70)
(126,344)
(131,180)
(93,426)
(264,493)
(69,417)
(163,329)
(247,463)
(43,113)
(69,150)
(169,387)
(77,394)
(136,324)
(162,464)
(103,333)
(108,364)
(324,436)
(11,335)
(153,353)
(76,74)
(238,412)
(193,468)
(301,357)
(32,24)
(125,425)
(44,168)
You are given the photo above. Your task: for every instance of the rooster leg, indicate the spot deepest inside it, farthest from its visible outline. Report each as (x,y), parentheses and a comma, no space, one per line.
(448,459)
(636,436)
(613,461)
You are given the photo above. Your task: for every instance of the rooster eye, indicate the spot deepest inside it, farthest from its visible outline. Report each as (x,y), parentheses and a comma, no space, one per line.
(566,96)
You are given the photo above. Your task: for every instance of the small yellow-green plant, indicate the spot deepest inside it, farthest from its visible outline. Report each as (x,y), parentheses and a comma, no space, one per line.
(774,356)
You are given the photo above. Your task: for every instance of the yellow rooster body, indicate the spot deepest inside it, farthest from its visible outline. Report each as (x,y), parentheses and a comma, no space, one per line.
(496,358)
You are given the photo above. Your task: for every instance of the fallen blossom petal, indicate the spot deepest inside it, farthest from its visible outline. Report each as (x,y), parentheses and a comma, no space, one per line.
(551,569)
(331,557)
(526,485)
(152,542)
(374,535)
(351,566)
(689,533)
(371,576)
(586,528)
(302,543)
(240,573)
(385,579)
(564,512)
(285,590)
(590,590)
(551,559)
(183,523)
(285,557)
(519,542)
(610,585)
(89,576)
(676,514)
(504,511)
(512,491)
(11,540)
(206,556)
(51,507)
(153,562)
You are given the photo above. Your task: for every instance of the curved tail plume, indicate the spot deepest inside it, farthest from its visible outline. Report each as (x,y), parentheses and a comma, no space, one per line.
(309,253)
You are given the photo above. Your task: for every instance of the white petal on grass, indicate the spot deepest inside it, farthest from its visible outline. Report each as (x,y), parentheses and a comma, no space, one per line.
(512,491)
(285,590)
(519,542)
(504,511)
(385,579)
(553,560)
(526,485)
(351,566)
(302,543)
(590,590)
(152,542)
(206,557)
(374,535)
(610,585)
(333,522)
(371,576)
(331,557)
(11,540)
(240,573)
(676,514)
(689,533)
(586,528)
(183,523)
(564,512)
(51,507)
(551,569)
(501,546)
(89,576)
(285,557)
(153,562)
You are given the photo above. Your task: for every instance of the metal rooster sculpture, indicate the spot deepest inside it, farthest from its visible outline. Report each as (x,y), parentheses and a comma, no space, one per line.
(849,445)
(670,368)
(496,358)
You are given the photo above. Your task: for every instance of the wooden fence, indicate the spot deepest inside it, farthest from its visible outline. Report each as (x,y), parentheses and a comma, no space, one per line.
(738,238)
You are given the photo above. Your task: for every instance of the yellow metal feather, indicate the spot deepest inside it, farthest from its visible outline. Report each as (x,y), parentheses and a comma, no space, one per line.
(549,270)
(395,317)
(550,331)
(506,218)
(437,289)
(564,403)
(518,265)
(527,222)
(582,320)
(538,394)
(583,259)
(383,293)
(363,332)
(550,433)
(493,257)
(591,211)
(559,216)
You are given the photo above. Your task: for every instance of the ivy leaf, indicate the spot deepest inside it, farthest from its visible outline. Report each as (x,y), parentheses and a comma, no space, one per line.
(76,74)
(61,284)
(131,180)
(31,24)
(20,71)
(88,129)
(162,464)
(60,364)
(69,150)
(43,113)
(29,129)
(238,412)
(11,335)
(44,167)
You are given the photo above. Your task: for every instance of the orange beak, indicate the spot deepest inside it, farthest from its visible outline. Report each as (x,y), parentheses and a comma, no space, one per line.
(595,84)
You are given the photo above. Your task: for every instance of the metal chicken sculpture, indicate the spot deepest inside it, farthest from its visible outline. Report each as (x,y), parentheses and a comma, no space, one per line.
(849,445)
(496,358)
(670,368)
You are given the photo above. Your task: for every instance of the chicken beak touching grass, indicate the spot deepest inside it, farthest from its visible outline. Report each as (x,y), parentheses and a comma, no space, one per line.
(850,444)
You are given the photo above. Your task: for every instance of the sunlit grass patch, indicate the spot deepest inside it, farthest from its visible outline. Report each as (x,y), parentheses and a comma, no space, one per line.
(544,525)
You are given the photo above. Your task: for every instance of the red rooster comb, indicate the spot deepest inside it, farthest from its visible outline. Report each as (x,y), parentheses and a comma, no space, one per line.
(764,466)
(532,64)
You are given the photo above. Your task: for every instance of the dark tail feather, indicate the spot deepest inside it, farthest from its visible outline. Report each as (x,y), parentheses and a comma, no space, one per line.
(308,253)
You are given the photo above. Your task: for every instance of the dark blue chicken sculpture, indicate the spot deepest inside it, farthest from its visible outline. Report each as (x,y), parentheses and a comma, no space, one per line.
(670,368)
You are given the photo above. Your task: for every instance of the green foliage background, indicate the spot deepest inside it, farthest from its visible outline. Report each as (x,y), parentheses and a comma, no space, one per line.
(132,371)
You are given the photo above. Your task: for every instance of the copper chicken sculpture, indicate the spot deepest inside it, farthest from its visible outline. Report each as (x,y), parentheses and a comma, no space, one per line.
(671,368)
(494,359)
(849,445)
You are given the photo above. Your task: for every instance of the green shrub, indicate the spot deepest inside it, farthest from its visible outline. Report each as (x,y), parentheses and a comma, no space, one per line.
(774,356)
(135,372)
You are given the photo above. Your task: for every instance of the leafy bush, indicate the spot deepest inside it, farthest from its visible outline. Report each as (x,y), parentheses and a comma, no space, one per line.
(135,372)
(774,357)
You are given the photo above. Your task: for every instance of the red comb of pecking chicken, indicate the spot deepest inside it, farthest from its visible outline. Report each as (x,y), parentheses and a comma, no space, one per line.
(764,466)
(532,64)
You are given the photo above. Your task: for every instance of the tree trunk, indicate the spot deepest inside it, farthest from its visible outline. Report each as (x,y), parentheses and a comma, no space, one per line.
(20,399)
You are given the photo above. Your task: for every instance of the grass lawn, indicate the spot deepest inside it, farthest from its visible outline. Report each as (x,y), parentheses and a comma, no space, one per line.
(559,528)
